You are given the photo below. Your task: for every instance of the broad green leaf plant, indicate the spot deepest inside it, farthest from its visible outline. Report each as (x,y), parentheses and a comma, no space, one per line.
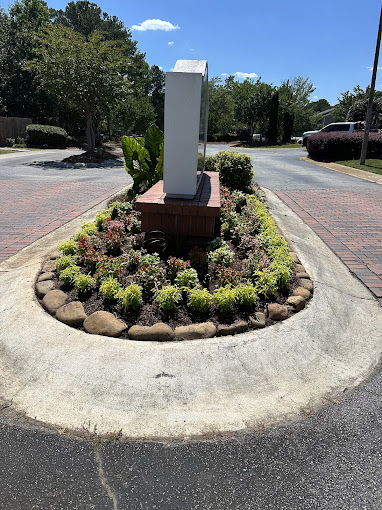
(144,159)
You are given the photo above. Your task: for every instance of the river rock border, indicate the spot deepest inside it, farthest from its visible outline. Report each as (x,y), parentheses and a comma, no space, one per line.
(104,323)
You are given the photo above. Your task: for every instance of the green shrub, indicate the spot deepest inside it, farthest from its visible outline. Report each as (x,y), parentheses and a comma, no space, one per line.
(150,260)
(68,247)
(121,208)
(246,295)
(168,297)
(175,265)
(110,289)
(130,298)
(210,164)
(340,146)
(198,300)
(10,142)
(227,276)
(64,262)
(46,136)
(235,170)
(224,299)
(101,217)
(150,277)
(110,267)
(67,275)
(83,283)
(222,256)
(265,283)
(187,278)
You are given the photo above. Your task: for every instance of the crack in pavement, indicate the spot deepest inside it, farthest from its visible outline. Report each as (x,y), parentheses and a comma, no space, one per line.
(103,480)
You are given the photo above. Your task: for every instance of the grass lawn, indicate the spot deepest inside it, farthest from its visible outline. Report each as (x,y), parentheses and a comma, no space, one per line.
(6,151)
(371,165)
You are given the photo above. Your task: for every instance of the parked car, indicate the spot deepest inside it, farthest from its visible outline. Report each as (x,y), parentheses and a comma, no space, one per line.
(348,127)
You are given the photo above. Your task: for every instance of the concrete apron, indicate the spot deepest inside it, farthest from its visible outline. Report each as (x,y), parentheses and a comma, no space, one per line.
(73,380)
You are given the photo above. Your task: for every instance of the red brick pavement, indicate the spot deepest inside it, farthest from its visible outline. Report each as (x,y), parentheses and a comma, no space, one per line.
(350,223)
(31,209)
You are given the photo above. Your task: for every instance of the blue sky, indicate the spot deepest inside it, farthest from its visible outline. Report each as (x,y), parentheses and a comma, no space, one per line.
(332,41)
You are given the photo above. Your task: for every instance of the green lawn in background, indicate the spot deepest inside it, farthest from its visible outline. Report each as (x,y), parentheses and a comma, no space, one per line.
(5,151)
(371,165)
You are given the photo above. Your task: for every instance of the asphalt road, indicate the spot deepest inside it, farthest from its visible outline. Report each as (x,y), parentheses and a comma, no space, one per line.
(332,460)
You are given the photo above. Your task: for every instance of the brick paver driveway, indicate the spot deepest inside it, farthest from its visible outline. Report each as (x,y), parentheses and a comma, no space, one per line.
(36,200)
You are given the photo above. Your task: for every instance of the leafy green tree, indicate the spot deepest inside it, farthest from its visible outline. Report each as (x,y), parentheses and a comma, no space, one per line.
(295,110)
(221,107)
(320,105)
(273,133)
(83,73)
(19,94)
(252,104)
(358,109)
(157,82)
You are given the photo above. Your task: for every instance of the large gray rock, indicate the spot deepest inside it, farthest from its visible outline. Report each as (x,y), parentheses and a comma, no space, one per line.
(294,257)
(159,332)
(72,314)
(299,268)
(300,291)
(53,300)
(104,323)
(49,266)
(257,321)
(296,302)
(202,330)
(277,312)
(42,288)
(232,329)
(303,275)
(306,284)
(45,276)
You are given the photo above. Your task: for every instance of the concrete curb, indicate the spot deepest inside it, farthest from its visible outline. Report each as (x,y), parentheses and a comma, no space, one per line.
(195,388)
(361,174)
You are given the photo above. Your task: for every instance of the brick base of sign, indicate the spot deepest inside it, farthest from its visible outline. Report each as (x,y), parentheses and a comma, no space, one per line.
(195,217)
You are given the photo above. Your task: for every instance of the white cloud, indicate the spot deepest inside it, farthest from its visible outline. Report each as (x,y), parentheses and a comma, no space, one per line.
(245,75)
(223,74)
(161,68)
(313,97)
(170,43)
(155,24)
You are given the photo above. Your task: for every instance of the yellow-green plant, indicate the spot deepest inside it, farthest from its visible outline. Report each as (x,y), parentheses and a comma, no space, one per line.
(168,297)
(130,298)
(224,299)
(67,275)
(64,262)
(246,295)
(68,247)
(198,300)
(83,283)
(109,289)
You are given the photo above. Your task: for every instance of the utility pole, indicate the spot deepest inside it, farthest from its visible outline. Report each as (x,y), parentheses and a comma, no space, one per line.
(371,97)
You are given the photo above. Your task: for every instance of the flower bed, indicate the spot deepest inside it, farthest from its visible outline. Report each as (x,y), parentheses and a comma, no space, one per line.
(246,277)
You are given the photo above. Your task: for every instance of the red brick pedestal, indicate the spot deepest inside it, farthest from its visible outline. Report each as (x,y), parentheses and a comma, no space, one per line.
(195,217)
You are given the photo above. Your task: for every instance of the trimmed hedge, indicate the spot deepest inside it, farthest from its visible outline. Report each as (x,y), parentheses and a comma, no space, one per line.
(235,170)
(339,146)
(222,137)
(46,136)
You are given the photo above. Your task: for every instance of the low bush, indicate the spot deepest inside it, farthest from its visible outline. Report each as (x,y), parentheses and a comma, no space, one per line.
(342,146)
(83,283)
(130,298)
(46,136)
(224,299)
(68,247)
(67,275)
(150,277)
(175,265)
(109,289)
(168,297)
(246,295)
(235,170)
(198,300)
(64,262)
(187,278)
(10,142)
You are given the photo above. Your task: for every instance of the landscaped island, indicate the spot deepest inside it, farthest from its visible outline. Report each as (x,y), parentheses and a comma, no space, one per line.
(191,286)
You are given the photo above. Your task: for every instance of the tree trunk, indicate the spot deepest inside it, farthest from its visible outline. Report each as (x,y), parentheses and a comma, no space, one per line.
(90,138)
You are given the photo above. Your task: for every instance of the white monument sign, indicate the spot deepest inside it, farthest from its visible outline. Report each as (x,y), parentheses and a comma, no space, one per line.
(185,128)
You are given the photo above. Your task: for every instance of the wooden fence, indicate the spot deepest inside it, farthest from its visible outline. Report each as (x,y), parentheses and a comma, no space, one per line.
(12,127)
